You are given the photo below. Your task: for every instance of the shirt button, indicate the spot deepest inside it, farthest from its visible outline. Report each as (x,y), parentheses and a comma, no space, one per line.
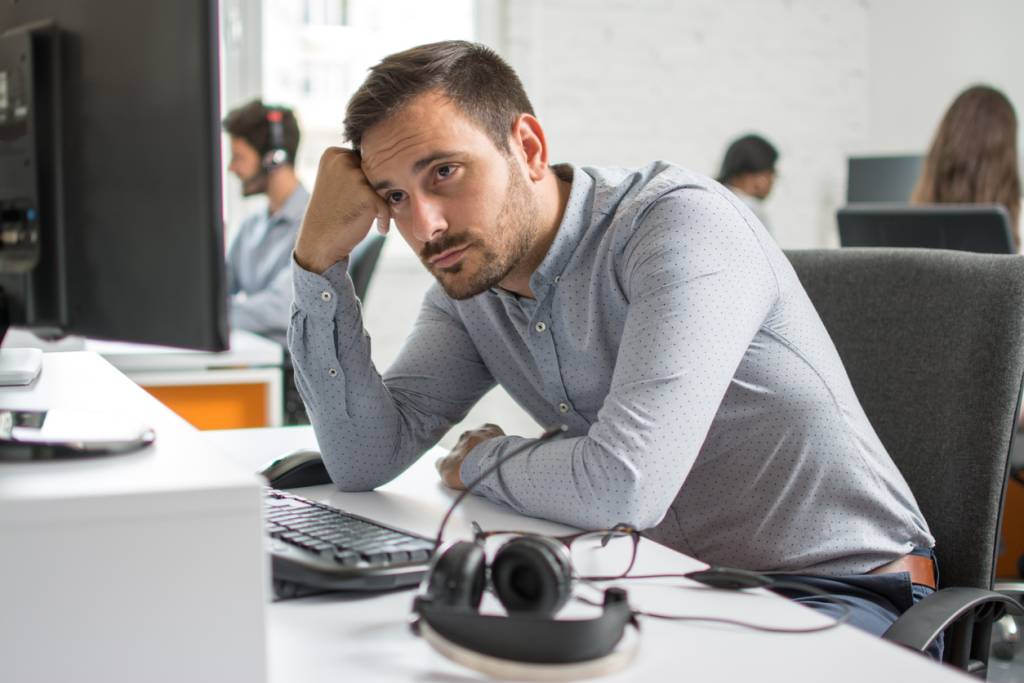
(326,296)
(541,327)
(563,407)
(332,372)
(558,279)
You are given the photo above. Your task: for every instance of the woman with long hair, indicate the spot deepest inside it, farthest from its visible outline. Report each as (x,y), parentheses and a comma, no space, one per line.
(973,157)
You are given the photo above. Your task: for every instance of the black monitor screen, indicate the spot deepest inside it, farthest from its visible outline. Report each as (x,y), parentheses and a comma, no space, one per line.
(881,179)
(110,142)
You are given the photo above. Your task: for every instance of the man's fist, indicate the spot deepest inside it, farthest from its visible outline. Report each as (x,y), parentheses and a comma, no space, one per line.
(340,212)
(448,466)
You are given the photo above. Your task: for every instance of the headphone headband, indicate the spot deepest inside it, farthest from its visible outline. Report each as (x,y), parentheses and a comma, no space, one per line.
(531,638)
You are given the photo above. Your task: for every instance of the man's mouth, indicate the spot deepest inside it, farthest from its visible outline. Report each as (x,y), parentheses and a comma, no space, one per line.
(449,257)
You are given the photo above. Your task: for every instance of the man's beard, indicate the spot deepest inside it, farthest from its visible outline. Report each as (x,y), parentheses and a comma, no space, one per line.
(256,184)
(516,218)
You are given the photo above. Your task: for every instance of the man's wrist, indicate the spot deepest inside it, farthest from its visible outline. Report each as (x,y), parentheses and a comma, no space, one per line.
(313,265)
(469,468)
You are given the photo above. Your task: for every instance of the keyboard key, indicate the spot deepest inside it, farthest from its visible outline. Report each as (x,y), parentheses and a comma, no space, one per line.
(346,557)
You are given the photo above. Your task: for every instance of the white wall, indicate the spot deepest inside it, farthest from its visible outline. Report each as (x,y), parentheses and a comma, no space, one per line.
(622,82)
(626,82)
(922,53)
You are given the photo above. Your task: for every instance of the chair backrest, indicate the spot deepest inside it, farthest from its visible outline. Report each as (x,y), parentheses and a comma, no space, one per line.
(984,228)
(933,342)
(362,263)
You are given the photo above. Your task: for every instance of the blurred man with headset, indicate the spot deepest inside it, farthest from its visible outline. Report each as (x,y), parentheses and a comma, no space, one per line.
(264,141)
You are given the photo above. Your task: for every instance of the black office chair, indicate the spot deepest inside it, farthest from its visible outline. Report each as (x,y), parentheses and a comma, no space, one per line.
(361,264)
(984,228)
(933,342)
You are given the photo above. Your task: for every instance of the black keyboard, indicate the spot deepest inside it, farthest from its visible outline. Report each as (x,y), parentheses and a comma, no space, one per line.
(315,548)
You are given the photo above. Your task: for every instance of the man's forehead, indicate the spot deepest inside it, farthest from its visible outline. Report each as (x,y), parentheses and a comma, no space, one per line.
(428,123)
(241,145)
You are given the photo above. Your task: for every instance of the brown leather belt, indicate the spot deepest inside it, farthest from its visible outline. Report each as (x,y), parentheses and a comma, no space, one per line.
(920,568)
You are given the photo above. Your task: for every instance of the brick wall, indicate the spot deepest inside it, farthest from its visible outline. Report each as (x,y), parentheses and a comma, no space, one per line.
(624,82)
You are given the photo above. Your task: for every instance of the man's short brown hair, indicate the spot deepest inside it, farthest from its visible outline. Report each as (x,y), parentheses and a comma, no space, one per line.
(249,122)
(472,76)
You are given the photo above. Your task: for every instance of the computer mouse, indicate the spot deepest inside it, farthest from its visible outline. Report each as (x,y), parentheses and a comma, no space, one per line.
(298,468)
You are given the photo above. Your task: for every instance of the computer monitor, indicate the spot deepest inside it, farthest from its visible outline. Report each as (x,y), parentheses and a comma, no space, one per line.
(968,227)
(110,168)
(881,178)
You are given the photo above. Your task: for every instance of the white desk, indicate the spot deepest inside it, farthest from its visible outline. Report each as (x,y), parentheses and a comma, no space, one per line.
(240,387)
(332,638)
(146,566)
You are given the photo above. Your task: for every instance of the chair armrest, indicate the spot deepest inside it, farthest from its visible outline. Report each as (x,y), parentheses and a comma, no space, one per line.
(920,625)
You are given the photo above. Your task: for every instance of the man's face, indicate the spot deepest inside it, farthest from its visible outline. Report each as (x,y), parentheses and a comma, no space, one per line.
(464,206)
(248,166)
(763,182)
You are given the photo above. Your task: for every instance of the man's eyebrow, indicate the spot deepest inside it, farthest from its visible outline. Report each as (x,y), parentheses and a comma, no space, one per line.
(418,166)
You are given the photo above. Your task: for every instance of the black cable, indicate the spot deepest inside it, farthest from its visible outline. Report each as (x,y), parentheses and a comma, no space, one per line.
(551,433)
(770,583)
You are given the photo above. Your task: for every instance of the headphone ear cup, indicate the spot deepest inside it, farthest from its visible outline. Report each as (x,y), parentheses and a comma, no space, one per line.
(275,158)
(458,576)
(532,574)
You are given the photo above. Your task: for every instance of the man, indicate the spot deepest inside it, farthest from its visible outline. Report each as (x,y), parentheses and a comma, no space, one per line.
(647,310)
(748,169)
(264,141)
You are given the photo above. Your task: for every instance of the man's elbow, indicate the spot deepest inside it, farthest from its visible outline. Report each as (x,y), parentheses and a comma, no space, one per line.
(632,505)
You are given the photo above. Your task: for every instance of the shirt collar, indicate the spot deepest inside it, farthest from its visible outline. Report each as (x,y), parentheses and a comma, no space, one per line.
(576,219)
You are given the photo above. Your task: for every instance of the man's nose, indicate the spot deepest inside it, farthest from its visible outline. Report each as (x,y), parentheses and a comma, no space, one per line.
(428,222)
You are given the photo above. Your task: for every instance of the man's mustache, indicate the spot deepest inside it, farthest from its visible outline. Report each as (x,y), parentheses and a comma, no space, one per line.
(441,245)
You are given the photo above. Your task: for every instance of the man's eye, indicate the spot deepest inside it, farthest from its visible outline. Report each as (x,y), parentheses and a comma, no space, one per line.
(395,197)
(445,171)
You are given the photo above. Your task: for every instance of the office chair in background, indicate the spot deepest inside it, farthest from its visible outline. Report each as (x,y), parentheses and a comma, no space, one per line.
(361,265)
(363,262)
(933,342)
(983,228)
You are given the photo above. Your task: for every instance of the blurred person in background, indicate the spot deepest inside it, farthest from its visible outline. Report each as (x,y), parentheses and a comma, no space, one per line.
(264,141)
(748,169)
(973,156)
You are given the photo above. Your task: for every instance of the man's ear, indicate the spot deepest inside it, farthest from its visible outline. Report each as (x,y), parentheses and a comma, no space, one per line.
(529,144)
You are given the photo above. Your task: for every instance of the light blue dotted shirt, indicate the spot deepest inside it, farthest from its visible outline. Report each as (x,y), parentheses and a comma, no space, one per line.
(704,399)
(259,277)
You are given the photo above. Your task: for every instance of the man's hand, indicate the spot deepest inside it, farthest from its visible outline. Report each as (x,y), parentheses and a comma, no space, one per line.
(341,210)
(448,466)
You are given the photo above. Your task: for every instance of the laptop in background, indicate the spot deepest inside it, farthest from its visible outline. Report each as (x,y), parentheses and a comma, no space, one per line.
(882,178)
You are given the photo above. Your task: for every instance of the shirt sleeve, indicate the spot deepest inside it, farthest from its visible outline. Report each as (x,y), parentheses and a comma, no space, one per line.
(697,280)
(232,265)
(370,427)
(266,310)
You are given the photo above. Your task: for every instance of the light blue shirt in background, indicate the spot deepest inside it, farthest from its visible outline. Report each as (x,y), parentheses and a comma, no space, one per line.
(703,396)
(259,270)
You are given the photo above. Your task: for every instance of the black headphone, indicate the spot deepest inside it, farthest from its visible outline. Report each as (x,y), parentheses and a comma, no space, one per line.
(532,578)
(276,155)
